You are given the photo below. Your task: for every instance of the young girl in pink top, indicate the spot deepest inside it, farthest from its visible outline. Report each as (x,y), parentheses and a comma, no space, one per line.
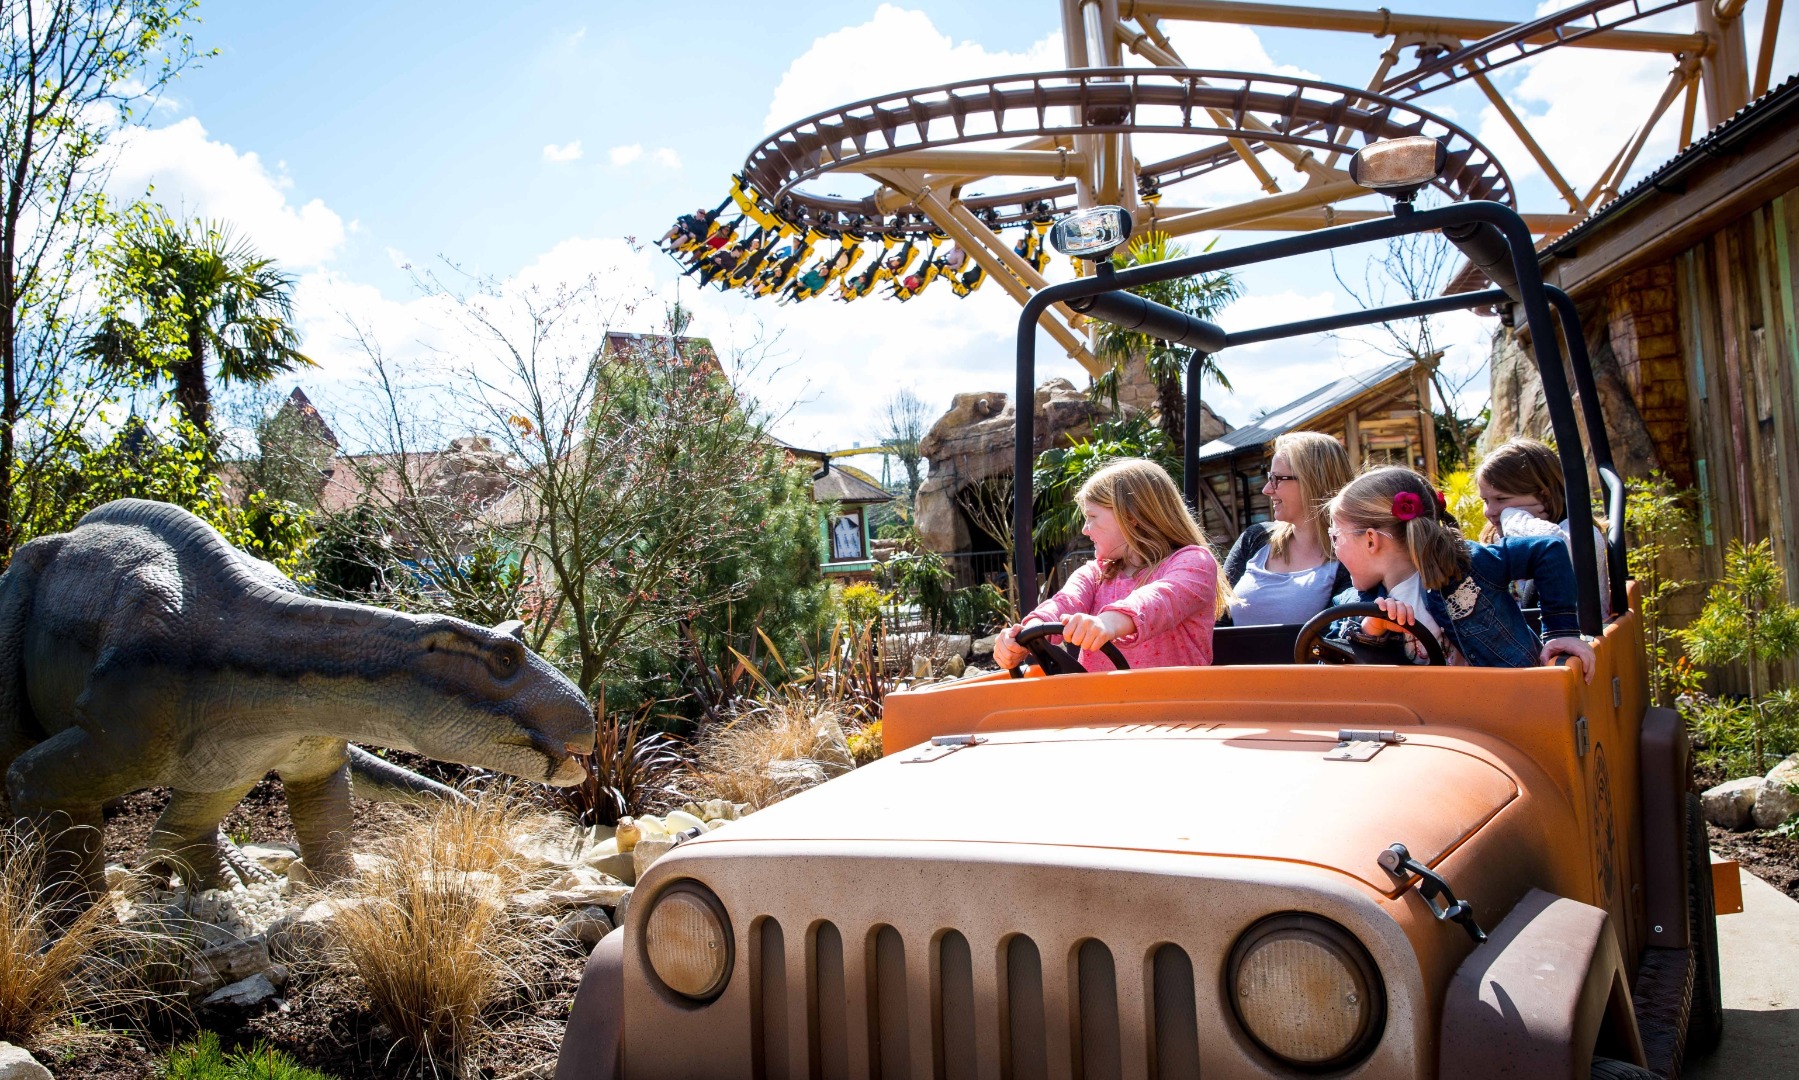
(1153,587)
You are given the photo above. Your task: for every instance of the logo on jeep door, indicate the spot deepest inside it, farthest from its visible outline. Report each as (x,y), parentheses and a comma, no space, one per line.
(1605,832)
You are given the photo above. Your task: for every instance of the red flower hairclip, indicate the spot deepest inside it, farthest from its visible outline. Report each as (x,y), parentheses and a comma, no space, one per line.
(1407,505)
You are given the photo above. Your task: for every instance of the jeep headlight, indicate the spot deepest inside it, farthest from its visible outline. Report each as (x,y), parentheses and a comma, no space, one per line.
(1306,991)
(687,941)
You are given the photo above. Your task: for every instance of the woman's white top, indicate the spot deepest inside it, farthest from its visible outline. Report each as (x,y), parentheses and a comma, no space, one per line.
(1516,522)
(1270,598)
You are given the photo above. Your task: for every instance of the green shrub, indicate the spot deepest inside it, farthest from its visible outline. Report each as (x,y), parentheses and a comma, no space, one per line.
(1724,730)
(203,1059)
(1747,620)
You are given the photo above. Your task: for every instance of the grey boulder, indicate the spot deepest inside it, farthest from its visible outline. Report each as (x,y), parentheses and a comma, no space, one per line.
(17,1064)
(1730,804)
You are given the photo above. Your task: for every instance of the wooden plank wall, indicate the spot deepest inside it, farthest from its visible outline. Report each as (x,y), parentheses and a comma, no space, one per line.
(1740,341)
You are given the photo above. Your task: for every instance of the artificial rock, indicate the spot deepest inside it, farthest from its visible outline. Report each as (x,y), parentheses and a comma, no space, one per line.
(1730,804)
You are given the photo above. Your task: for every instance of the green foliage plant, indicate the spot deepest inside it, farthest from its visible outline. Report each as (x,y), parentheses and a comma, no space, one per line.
(1747,620)
(205,1059)
(1062,470)
(1659,522)
(1724,729)
(75,74)
(186,297)
(1202,296)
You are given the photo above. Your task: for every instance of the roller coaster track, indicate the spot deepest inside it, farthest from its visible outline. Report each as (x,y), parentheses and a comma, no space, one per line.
(1521,42)
(1316,116)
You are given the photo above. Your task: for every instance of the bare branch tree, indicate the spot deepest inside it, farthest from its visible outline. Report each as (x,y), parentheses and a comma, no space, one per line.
(988,504)
(1418,266)
(904,421)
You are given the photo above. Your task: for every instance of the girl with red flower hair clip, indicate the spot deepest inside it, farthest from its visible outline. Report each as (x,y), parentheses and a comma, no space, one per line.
(1390,528)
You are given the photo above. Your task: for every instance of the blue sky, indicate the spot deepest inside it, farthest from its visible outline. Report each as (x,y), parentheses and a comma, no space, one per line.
(354,140)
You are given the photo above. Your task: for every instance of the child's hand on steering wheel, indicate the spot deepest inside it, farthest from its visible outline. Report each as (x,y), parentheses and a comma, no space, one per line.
(1399,616)
(1089,632)
(1007,653)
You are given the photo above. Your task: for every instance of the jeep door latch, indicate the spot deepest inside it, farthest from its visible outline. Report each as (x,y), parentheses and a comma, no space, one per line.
(1396,860)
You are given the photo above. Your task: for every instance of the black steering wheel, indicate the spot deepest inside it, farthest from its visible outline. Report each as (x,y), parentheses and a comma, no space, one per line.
(1065,660)
(1312,647)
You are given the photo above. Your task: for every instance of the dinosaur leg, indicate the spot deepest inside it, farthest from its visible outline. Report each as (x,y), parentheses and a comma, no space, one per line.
(379,780)
(316,779)
(187,841)
(57,788)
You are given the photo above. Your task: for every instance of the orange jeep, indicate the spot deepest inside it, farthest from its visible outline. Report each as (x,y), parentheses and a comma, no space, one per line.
(1294,862)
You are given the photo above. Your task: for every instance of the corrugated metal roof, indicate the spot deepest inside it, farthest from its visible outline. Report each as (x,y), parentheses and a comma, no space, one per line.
(1740,124)
(1295,414)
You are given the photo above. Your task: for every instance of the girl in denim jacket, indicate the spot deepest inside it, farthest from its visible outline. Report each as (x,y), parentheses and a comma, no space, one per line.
(1389,528)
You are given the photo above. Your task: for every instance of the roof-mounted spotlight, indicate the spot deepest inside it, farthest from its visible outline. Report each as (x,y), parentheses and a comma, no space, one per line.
(1092,234)
(1399,168)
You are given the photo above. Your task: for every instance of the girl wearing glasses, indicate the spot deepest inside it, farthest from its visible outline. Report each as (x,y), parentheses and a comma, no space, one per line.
(1153,588)
(1405,553)
(1283,571)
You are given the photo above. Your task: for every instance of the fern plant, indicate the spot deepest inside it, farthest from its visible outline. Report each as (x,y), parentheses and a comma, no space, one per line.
(1747,620)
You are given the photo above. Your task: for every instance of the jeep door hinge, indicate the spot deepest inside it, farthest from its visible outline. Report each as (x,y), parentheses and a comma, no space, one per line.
(1355,745)
(1397,861)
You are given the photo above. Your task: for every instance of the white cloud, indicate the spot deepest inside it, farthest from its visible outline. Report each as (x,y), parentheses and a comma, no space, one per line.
(829,73)
(564,153)
(196,176)
(625,155)
(666,157)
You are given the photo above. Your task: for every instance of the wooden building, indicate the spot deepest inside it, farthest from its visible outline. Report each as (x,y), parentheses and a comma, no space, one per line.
(1383,416)
(1687,288)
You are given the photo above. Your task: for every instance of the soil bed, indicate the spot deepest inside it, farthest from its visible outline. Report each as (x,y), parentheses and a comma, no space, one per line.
(328,1022)
(1773,858)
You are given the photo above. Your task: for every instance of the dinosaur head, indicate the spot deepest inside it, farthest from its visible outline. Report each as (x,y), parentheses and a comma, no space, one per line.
(484,699)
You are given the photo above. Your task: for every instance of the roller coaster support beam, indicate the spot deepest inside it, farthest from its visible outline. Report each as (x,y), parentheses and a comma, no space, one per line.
(1513,121)
(1726,62)
(977,241)
(1150,45)
(1383,23)
(1163,55)
(1314,194)
(1764,57)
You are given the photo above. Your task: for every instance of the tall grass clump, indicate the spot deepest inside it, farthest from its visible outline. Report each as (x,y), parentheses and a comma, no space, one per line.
(55,966)
(426,926)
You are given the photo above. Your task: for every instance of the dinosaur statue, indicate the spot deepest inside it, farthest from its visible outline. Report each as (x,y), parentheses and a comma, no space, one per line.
(142,650)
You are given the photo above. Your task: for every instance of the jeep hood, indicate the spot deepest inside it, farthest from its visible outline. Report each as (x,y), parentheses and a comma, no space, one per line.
(1203,789)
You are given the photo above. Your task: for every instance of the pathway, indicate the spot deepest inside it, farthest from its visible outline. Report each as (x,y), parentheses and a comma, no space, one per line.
(1759,953)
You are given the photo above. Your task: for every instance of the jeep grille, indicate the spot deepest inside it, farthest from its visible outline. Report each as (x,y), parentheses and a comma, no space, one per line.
(871,1002)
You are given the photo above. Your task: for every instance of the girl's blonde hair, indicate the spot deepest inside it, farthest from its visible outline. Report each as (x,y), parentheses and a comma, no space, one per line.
(1322,467)
(1432,538)
(1524,466)
(1151,514)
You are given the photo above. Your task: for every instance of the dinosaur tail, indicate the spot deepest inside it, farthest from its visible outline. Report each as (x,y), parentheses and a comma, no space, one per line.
(379,780)
(19,730)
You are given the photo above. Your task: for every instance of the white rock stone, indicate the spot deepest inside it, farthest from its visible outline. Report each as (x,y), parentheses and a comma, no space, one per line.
(649,850)
(276,857)
(556,850)
(1776,800)
(680,821)
(1730,804)
(620,865)
(245,995)
(117,876)
(623,909)
(1787,772)
(831,748)
(17,1064)
(984,646)
(795,776)
(306,932)
(955,666)
(298,873)
(586,924)
(222,964)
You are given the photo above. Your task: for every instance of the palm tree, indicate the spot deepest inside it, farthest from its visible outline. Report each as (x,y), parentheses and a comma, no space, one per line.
(1203,296)
(203,296)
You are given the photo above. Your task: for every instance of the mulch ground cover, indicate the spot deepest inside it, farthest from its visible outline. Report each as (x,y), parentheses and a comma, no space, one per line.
(328,1022)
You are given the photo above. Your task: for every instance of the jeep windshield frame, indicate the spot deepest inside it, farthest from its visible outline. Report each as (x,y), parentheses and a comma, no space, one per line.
(1496,240)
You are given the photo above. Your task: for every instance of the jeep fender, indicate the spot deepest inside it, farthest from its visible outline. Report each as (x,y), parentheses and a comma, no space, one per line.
(596,1020)
(1537,1000)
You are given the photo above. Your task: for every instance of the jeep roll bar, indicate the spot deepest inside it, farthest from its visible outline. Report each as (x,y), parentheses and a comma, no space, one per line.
(1493,237)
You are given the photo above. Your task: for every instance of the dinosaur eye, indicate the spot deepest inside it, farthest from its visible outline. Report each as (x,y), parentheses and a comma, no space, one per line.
(509,658)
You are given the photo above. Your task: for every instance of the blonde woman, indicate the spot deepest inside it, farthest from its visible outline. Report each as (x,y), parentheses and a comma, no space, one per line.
(1284,571)
(1153,587)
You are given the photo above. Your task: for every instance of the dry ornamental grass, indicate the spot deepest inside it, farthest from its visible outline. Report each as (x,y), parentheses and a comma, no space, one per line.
(426,927)
(55,967)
